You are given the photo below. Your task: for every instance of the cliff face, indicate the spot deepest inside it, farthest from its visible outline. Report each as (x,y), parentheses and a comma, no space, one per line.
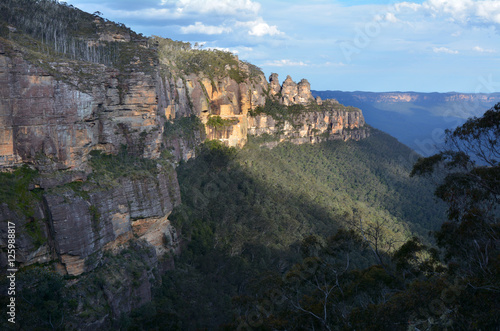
(312,127)
(54,114)
(103,127)
(81,226)
(315,120)
(54,118)
(55,123)
(41,116)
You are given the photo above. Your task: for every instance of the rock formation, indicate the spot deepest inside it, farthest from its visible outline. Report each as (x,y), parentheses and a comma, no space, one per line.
(274,84)
(55,123)
(313,127)
(291,93)
(56,113)
(52,118)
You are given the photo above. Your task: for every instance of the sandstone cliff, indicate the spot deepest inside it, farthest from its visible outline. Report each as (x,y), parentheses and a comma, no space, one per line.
(99,122)
(54,123)
(308,120)
(54,114)
(312,127)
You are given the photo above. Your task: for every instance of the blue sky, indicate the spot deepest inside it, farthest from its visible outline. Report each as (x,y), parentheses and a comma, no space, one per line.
(423,46)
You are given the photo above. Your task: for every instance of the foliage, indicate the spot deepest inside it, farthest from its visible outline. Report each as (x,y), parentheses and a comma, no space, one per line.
(253,69)
(277,110)
(183,127)
(251,216)
(217,122)
(109,167)
(15,190)
(215,64)
(463,293)
(52,31)
(469,174)
(40,300)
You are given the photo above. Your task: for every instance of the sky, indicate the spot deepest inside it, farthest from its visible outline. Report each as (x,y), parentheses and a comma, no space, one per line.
(356,45)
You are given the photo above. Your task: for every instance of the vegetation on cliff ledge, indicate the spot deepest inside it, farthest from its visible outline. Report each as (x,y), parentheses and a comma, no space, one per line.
(48,31)
(179,56)
(218,122)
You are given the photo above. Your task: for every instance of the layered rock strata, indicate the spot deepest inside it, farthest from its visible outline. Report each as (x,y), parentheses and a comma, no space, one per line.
(53,114)
(121,93)
(312,127)
(55,123)
(80,227)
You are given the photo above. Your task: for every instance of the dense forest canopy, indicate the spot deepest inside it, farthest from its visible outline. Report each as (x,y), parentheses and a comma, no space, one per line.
(256,217)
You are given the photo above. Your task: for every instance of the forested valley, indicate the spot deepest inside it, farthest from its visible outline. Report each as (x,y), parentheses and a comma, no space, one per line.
(337,236)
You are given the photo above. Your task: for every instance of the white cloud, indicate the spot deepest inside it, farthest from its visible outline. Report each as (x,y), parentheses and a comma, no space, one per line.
(337,64)
(386,17)
(286,63)
(482,50)
(260,28)
(200,28)
(224,7)
(224,49)
(246,11)
(444,50)
(462,11)
(390,17)
(408,5)
(148,13)
(246,49)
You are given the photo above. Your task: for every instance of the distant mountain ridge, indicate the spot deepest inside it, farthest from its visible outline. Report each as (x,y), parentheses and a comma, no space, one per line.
(421,96)
(416,119)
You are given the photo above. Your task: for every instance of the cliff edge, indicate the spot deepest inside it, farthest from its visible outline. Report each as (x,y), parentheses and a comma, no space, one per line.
(94,119)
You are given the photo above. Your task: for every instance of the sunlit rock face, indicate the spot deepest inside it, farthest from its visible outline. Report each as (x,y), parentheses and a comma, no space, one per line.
(54,123)
(53,114)
(313,127)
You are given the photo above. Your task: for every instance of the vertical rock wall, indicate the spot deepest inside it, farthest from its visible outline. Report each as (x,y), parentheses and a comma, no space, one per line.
(54,114)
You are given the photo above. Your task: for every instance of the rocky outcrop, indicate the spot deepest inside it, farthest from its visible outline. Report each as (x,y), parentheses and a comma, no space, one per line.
(54,123)
(202,96)
(317,121)
(85,224)
(333,122)
(76,225)
(275,86)
(291,93)
(53,114)
(41,117)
